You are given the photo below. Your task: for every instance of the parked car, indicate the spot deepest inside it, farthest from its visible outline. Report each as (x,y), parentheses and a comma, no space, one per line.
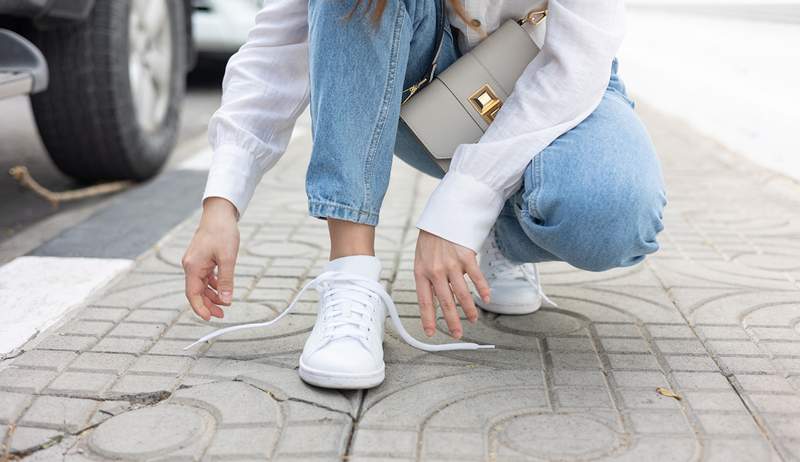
(221,26)
(106,79)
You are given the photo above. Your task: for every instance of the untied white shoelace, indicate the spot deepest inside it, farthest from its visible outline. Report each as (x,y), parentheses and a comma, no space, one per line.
(366,283)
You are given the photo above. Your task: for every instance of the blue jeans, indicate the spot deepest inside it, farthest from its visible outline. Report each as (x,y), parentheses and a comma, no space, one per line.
(593,198)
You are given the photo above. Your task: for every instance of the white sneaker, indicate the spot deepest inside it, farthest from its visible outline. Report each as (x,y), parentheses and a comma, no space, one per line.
(515,287)
(345,348)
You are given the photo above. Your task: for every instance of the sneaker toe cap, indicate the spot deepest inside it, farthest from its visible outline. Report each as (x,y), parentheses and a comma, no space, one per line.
(343,356)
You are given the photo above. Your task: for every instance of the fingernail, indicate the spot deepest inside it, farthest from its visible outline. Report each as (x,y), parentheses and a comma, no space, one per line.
(226,296)
(429,332)
(473,321)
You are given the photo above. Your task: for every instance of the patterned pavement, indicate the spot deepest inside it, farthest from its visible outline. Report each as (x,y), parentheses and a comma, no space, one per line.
(713,318)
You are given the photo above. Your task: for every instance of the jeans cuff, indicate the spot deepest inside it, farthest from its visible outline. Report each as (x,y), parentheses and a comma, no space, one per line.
(342,212)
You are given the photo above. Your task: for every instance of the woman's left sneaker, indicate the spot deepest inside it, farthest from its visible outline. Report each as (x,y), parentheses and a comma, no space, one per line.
(515,287)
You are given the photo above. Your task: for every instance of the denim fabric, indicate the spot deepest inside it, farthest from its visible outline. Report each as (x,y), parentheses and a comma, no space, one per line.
(358,71)
(593,198)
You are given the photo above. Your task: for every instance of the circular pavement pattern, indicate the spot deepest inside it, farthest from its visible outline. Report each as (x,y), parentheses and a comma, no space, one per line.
(556,436)
(150,431)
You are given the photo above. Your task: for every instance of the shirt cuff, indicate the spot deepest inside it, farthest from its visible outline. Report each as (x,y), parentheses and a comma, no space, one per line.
(231,176)
(462,210)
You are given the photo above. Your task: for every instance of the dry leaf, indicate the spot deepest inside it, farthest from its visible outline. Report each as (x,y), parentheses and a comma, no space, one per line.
(668,393)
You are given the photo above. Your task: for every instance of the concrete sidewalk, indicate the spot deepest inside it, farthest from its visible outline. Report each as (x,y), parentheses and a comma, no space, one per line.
(713,318)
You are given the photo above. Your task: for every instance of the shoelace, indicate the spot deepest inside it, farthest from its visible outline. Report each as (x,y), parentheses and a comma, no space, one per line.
(502,267)
(369,285)
(348,311)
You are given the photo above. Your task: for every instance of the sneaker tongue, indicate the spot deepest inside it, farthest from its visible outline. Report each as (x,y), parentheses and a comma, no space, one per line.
(363,265)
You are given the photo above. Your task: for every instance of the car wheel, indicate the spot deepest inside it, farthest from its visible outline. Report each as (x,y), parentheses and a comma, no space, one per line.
(116,84)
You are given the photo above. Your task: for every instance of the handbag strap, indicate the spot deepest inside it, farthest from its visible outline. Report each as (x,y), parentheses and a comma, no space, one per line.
(440,20)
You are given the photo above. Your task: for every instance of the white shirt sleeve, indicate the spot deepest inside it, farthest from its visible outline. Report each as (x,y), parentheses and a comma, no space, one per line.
(265,89)
(562,86)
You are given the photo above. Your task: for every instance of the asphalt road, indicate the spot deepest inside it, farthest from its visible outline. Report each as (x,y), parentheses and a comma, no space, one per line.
(26,220)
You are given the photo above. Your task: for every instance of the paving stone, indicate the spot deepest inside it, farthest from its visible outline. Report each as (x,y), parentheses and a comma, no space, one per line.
(691,363)
(67,414)
(139,330)
(123,345)
(67,342)
(22,380)
(739,348)
(671,331)
(169,365)
(12,405)
(659,422)
(82,327)
(632,361)
(616,345)
(27,438)
(245,443)
(45,359)
(776,403)
(701,380)
(134,384)
(154,431)
(638,379)
(617,330)
(583,378)
(755,383)
(681,347)
(103,314)
(88,384)
(740,423)
(646,399)
(153,316)
(104,362)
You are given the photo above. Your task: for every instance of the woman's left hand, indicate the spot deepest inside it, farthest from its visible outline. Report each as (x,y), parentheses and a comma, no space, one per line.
(439,269)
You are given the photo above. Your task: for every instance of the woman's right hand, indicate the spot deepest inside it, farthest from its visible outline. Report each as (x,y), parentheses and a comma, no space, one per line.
(215,245)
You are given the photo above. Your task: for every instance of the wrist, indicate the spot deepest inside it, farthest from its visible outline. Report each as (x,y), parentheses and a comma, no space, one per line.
(219,208)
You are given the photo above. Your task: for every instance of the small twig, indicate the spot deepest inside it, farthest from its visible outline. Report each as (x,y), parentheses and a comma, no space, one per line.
(23,176)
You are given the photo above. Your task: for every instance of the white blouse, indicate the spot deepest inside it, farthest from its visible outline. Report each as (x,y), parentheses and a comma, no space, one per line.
(266,87)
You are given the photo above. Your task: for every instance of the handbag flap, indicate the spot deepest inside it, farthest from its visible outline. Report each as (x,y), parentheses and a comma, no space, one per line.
(439,121)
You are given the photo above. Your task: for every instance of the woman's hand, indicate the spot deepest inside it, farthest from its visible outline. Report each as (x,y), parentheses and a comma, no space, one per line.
(215,245)
(439,268)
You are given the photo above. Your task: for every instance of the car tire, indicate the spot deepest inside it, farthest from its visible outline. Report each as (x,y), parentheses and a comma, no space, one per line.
(116,84)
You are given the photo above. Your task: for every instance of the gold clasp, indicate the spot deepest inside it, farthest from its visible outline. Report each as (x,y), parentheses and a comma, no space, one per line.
(413,89)
(534,17)
(486,102)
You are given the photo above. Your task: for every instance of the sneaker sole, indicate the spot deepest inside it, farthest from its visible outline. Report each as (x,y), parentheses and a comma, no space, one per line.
(341,381)
(507,309)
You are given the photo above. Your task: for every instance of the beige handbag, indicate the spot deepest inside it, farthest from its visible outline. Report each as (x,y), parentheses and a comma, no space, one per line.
(457,106)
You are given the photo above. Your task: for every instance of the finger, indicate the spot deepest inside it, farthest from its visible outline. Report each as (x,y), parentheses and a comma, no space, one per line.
(224,278)
(448,305)
(464,296)
(427,310)
(194,293)
(213,309)
(213,281)
(476,276)
(212,295)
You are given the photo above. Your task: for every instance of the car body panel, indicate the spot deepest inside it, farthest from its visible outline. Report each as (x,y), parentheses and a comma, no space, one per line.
(221,26)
